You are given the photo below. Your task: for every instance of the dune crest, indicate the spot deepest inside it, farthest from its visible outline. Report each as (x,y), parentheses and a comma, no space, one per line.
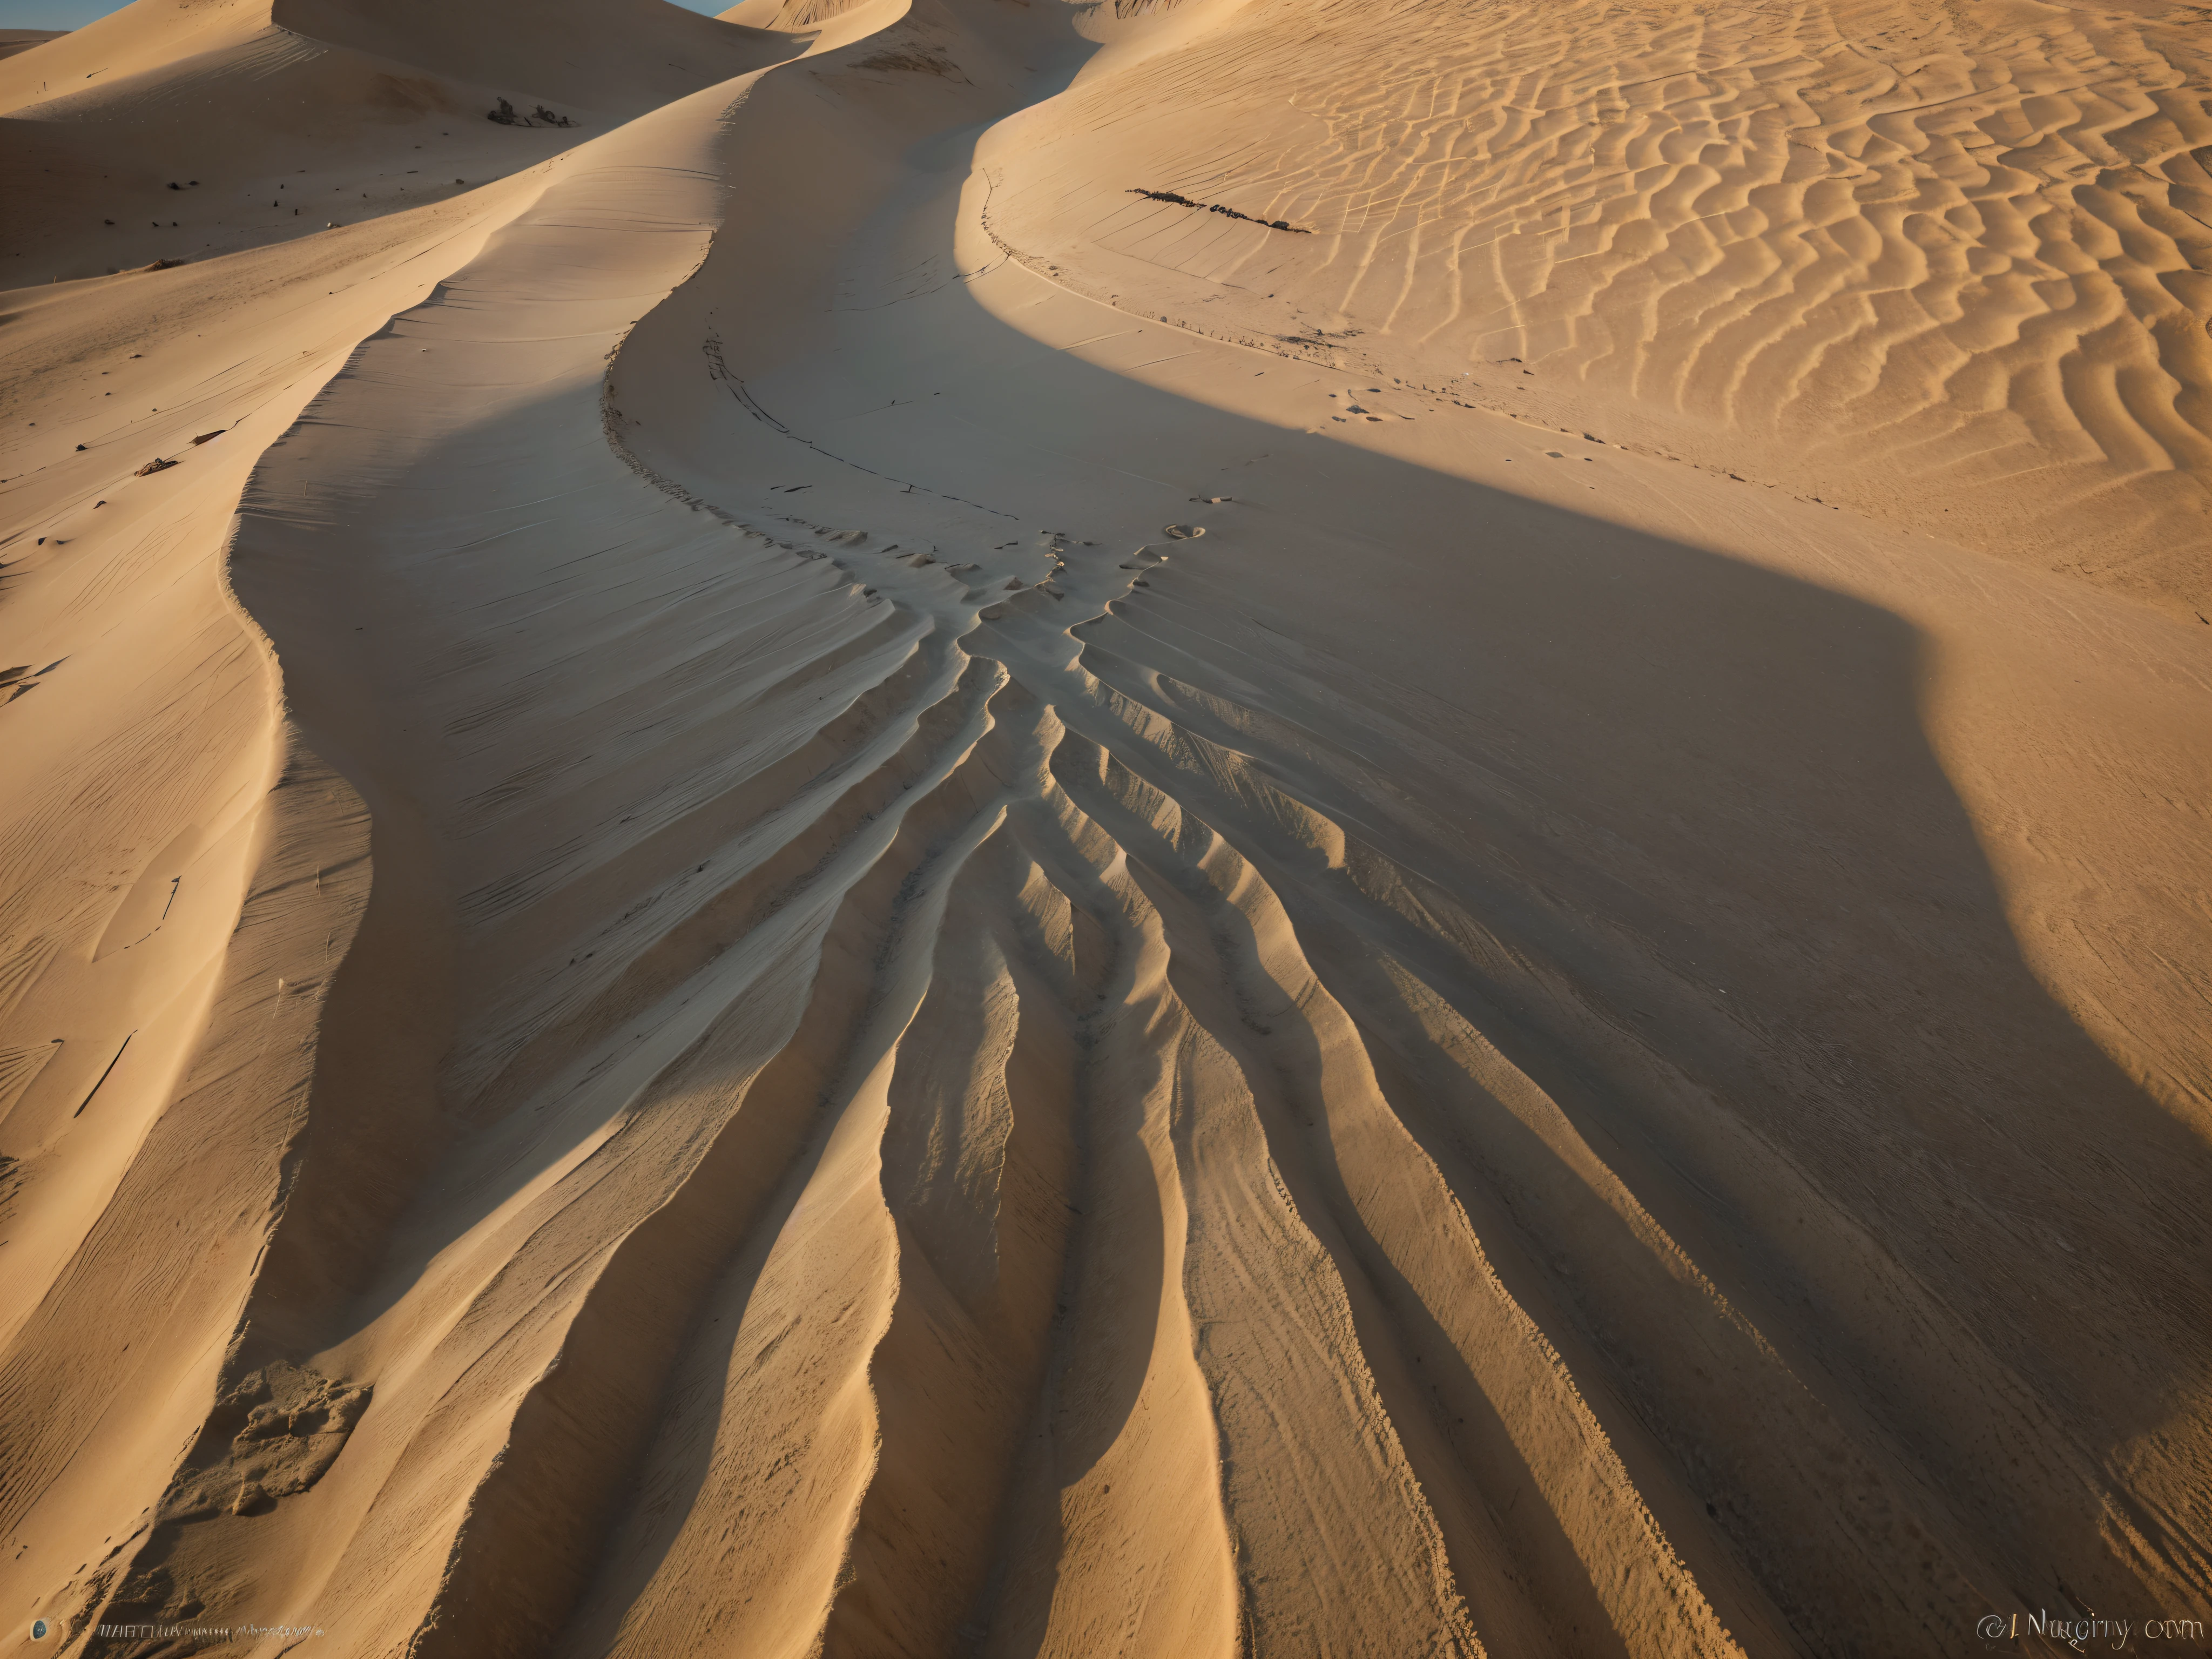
(837,883)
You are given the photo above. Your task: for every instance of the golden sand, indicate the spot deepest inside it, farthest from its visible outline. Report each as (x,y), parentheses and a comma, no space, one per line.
(845,884)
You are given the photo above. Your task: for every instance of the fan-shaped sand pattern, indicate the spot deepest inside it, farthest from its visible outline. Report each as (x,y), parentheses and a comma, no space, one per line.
(752,1006)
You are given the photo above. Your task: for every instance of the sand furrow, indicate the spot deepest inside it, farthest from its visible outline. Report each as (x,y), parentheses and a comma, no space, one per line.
(857,888)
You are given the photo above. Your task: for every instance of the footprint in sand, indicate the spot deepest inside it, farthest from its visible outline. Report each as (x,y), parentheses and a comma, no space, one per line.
(1183,533)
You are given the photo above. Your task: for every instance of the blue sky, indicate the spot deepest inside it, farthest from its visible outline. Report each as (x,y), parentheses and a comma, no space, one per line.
(52,13)
(76,14)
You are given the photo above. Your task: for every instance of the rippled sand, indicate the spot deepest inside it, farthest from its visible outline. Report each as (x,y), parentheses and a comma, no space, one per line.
(837,883)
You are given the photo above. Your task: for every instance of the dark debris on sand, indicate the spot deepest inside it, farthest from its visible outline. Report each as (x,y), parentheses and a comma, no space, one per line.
(1228,212)
(539,117)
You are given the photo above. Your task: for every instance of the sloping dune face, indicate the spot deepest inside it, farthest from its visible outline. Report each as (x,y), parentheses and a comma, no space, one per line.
(179,128)
(1066,834)
(1946,263)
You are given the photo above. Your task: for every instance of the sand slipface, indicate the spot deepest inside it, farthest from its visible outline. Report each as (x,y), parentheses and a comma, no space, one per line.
(994,829)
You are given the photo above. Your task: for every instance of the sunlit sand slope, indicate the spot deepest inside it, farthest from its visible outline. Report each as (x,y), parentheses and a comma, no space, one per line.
(1949,265)
(803,908)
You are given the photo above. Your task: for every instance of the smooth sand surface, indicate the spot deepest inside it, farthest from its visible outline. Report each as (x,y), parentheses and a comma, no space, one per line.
(1251,827)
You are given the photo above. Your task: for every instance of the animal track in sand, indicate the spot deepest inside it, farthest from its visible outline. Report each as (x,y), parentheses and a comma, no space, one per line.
(1201,1111)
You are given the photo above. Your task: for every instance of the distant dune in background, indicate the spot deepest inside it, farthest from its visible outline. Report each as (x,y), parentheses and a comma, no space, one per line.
(993,828)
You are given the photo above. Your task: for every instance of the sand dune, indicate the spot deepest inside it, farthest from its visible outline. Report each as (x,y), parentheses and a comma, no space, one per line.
(176,132)
(14,40)
(833,886)
(1943,266)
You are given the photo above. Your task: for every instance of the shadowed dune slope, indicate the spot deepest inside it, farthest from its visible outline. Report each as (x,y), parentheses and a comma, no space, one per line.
(173,131)
(820,896)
